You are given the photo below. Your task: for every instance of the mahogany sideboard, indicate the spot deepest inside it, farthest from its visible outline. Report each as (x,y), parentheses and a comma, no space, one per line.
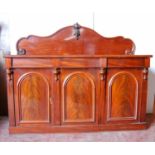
(76,80)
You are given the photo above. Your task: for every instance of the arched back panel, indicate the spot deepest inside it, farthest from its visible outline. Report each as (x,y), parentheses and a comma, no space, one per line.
(75,40)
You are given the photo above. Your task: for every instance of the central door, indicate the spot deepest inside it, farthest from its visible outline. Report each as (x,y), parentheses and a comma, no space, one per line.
(79,96)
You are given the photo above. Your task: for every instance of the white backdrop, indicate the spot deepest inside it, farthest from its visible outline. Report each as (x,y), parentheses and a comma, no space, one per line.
(109,18)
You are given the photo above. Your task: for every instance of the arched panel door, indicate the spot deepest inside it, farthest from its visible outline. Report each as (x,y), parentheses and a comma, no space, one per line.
(122,95)
(32,97)
(79,96)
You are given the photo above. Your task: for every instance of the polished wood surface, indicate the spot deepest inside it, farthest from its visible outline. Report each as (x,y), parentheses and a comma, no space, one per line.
(122,94)
(73,83)
(63,42)
(78,95)
(33,91)
(32,96)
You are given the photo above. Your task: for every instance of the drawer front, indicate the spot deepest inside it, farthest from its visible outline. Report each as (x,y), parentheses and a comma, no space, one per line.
(58,62)
(126,62)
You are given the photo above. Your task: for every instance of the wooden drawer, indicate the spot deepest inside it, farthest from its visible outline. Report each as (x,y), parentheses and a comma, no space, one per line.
(126,62)
(58,62)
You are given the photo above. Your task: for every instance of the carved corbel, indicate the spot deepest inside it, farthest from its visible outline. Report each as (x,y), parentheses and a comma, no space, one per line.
(9,74)
(145,73)
(102,73)
(56,72)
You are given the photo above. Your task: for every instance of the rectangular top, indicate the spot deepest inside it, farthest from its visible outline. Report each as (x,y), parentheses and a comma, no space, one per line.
(84,61)
(77,56)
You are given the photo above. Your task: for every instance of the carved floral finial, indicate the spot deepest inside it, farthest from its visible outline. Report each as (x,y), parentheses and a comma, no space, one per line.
(77,30)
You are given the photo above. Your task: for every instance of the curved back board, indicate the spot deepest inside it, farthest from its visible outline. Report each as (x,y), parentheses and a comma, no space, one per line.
(75,40)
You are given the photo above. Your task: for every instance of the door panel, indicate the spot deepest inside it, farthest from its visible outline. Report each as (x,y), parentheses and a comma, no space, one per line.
(122,94)
(79,100)
(32,96)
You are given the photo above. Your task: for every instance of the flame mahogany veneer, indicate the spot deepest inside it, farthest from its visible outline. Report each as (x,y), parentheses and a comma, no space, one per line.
(76,80)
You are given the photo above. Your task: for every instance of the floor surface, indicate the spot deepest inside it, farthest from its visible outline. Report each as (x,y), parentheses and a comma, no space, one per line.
(112,136)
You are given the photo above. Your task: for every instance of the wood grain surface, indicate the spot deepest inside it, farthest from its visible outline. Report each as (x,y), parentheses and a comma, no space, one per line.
(74,81)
